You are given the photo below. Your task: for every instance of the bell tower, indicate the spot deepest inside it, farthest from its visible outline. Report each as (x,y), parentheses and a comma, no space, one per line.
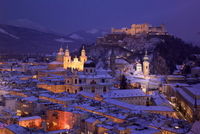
(146,64)
(60,55)
(67,59)
(83,57)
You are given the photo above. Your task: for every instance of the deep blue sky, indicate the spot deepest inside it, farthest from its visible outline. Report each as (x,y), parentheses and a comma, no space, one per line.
(181,17)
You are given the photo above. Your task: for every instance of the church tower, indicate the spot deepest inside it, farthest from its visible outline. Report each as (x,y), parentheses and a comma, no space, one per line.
(67,59)
(83,57)
(60,55)
(146,64)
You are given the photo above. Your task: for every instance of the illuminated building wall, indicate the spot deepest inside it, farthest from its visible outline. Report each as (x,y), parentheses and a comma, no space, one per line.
(140,29)
(51,87)
(31,122)
(57,120)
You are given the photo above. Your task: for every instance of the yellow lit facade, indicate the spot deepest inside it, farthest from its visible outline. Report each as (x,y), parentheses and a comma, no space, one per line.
(76,63)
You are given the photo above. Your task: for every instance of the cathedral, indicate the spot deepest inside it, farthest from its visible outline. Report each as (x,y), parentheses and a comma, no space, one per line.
(68,62)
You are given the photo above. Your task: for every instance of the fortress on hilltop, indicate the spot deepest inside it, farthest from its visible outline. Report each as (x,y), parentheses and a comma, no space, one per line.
(141,29)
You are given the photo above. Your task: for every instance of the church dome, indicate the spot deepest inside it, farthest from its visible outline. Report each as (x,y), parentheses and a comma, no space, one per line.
(89,63)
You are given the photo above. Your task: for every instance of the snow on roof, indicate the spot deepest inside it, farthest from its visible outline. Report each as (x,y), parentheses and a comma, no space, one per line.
(124,93)
(31,98)
(17,129)
(29,118)
(91,120)
(147,130)
(104,75)
(160,99)
(58,131)
(55,62)
(121,61)
(138,107)
(187,96)
(176,76)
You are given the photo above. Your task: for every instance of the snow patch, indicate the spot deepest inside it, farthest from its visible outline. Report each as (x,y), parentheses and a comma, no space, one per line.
(63,40)
(76,36)
(7,33)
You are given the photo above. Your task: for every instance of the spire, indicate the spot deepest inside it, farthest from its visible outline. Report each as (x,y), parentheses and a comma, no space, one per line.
(67,53)
(83,51)
(61,52)
(146,58)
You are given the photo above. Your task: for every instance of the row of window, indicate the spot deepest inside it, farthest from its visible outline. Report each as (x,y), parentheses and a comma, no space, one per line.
(76,81)
(92,90)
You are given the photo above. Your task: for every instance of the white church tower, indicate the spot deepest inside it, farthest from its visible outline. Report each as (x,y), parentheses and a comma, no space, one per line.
(146,64)
(83,57)
(67,59)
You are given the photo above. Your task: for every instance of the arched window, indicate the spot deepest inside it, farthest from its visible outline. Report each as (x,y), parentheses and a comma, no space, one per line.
(68,90)
(103,80)
(76,81)
(75,91)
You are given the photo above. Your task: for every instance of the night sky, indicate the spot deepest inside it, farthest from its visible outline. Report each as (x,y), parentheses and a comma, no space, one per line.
(181,17)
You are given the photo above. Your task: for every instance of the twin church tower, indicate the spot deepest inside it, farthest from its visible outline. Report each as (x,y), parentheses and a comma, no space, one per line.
(68,62)
(78,63)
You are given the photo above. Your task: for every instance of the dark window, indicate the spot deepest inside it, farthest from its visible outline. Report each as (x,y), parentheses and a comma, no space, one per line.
(104,89)
(80,81)
(81,88)
(93,82)
(86,70)
(91,71)
(55,114)
(103,80)
(76,81)
(75,91)
(68,90)
(93,90)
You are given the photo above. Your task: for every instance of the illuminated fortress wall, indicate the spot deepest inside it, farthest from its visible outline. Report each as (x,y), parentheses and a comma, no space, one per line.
(141,29)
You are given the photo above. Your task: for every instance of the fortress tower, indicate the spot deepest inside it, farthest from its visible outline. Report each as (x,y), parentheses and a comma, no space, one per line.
(146,65)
